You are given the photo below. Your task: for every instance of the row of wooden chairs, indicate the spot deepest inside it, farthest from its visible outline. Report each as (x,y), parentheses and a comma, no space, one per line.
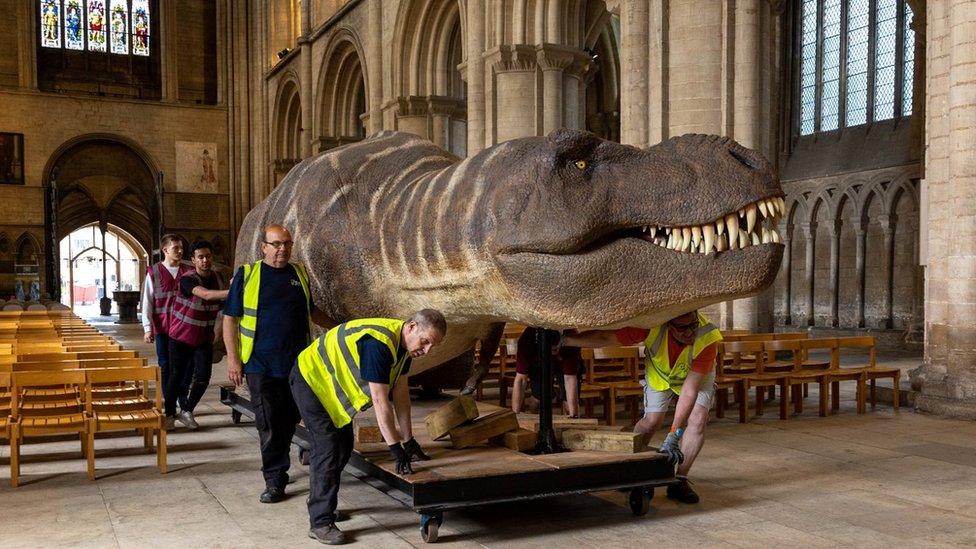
(82,401)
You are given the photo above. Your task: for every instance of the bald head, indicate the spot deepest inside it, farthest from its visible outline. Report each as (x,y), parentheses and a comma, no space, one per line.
(276,246)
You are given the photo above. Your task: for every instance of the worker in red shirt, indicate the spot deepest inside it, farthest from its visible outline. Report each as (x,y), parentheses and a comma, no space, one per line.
(679,359)
(527,369)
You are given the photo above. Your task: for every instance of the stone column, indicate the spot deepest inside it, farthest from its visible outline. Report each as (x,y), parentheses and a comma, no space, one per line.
(552,60)
(27,51)
(947,380)
(374,64)
(787,274)
(170,51)
(475,73)
(634,77)
(834,276)
(888,227)
(305,134)
(860,245)
(810,235)
(513,92)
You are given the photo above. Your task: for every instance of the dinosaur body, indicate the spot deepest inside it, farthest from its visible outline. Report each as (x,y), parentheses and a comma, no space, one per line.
(561,231)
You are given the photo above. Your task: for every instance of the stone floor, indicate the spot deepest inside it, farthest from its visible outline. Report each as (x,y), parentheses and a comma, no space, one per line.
(873,480)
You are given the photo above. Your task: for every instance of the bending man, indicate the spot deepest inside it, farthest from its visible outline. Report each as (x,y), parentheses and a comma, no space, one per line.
(679,359)
(354,366)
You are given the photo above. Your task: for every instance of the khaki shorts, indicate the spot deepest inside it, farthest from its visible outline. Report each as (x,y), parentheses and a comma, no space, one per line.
(659,401)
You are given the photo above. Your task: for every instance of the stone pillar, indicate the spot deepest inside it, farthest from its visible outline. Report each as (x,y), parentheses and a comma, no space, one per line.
(887,268)
(634,77)
(860,246)
(787,274)
(834,276)
(374,64)
(513,93)
(170,51)
(475,73)
(947,379)
(308,111)
(810,235)
(552,60)
(27,45)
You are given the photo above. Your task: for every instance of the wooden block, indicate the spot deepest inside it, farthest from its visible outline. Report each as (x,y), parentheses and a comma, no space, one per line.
(519,440)
(367,433)
(603,441)
(454,413)
(484,428)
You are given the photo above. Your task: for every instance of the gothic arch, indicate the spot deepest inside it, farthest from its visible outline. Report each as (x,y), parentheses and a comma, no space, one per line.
(342,91)
(287,124)
(28,250)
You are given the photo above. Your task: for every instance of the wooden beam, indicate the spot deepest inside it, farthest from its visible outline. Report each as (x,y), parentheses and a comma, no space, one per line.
(454,413)
(367,432)
(484,428)
(520,440)
(603,441)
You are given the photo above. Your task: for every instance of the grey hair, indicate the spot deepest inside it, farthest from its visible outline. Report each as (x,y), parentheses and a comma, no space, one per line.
(430,318)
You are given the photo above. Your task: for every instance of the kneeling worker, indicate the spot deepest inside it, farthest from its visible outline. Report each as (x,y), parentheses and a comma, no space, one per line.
(679,359)
(354,366)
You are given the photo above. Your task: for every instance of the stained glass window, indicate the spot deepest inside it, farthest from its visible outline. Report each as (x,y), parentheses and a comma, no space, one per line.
(119,26)
(96,25)
(140,27)
(51,23)
(846,38)
(74,35)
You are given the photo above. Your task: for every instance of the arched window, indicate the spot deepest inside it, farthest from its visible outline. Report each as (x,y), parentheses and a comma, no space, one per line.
(122,27)
(856,63)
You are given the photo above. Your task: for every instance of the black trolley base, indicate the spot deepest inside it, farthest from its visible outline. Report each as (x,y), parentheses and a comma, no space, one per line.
(430,492)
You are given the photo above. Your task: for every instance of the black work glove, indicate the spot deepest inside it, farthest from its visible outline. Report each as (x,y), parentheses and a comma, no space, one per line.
(671,448)
(402,459)
(414,451)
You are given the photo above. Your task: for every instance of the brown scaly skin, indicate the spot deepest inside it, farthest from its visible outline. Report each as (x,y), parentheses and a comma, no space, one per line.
(541,230)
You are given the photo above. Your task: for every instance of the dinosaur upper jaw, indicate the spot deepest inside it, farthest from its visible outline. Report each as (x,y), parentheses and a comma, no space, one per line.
(642,275)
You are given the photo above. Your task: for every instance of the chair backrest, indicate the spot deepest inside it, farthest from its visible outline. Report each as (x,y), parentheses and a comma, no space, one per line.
(143,374)
(757,337)
(858,342)
(739,348)
(782,345)
(791,335)
(25,380)
(613,363)
(735,332)
(47,366)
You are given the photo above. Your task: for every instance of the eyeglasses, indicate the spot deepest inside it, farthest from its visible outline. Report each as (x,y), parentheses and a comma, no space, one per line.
(278,245)
(685,327)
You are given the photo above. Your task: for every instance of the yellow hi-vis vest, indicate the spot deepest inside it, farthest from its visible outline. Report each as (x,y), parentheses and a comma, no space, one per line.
(252,288)
(330,365)
(657,364)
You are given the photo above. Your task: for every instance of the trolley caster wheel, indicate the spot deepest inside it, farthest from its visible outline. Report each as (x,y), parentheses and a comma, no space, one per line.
(429,524)
(235,416)
(303,456)
(640,500)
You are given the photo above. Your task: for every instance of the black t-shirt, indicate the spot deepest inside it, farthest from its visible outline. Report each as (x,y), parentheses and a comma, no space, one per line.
(190,281)
(376,361)
(282,327)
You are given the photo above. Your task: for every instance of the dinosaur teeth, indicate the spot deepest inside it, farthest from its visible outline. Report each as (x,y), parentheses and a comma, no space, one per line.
(751,225)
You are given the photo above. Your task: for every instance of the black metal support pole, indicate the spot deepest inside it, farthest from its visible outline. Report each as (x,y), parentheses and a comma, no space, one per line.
(547,437)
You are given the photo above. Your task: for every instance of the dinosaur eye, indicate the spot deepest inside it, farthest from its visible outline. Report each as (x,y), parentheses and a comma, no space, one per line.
(581,164)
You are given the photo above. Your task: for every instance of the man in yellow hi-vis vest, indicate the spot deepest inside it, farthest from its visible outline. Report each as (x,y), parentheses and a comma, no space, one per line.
(266,324)
(357,365)
(679,359)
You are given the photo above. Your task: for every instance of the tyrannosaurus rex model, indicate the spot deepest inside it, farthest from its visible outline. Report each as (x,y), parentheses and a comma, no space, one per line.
(567,230)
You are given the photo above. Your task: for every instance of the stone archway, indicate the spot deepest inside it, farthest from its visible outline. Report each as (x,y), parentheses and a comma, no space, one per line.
(431,97)
(602,42)
(101,179)
(287,124)
(341,93)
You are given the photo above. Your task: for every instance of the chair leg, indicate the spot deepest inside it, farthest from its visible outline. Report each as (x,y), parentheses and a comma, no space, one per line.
(895,391)
(784,400)
(874,383)
(824,395)
(83,436)
(90,433)
(798,399)
(723,396)
(161,450)
(862,395)
(760,399)
(147,439)
(14,457)
(835,396)
(806,390)
(740,397)
(502,393)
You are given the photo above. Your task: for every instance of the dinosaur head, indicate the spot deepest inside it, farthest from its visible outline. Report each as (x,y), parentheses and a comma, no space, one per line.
(588,232)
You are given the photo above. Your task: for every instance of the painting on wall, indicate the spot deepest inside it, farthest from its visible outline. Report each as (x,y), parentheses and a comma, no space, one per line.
(12,158)
(196,167)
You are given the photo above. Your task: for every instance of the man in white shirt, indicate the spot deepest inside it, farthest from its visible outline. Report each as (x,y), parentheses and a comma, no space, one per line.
(159,292)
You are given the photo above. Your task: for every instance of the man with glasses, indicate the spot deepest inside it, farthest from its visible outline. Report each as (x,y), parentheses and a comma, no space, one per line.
(679,359)
(267,323)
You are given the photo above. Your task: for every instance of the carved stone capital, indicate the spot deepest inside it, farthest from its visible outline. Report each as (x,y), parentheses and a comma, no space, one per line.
(519,57)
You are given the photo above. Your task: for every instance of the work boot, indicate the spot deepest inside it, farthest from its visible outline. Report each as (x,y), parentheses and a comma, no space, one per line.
(170,423)
(186,418)
(329,534)
(682,491)
(272,494)
(468,390)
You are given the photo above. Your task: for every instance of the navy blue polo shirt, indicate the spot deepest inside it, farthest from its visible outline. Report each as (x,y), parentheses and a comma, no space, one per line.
(282,327)
(376,361)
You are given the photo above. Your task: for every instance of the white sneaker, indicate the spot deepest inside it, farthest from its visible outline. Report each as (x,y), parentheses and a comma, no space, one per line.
(170,423)
(186,418)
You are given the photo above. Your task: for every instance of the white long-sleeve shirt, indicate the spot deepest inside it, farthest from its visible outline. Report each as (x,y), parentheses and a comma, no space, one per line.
(147,298)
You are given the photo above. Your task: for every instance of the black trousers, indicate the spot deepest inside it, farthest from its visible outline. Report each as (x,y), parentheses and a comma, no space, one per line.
(189,375)
(331,448)
(275,417)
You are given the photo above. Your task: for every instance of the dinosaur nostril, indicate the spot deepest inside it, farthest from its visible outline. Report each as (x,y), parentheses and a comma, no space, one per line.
(743,159)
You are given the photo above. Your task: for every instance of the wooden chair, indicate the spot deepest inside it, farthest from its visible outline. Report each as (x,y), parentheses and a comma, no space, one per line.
(5,405)
(114,414)
(30,420)
(724,383)
(871,370)
(616,369)
(590,392)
